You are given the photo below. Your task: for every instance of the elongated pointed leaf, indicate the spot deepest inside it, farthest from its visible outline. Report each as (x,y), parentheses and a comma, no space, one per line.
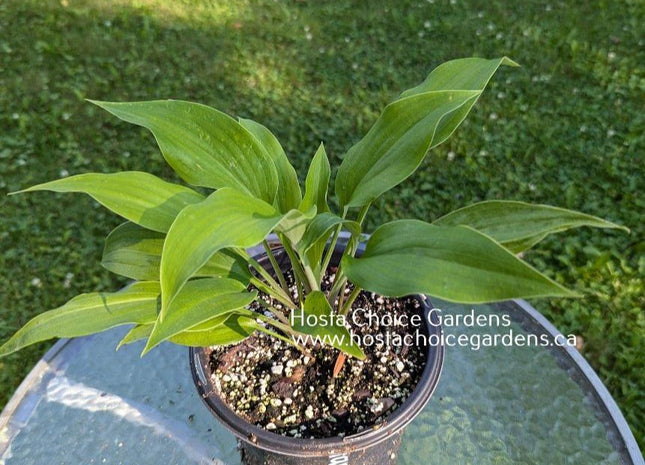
(204,146)
(136,333)
(395,146)
(312,245)
(519,225)
(419,120)
(454,263)
(210,323)
(88,314)
(288,196)
(317,183)
(221,330)
(235,328)
(332,333)
(199,301)
(135,252)
(321,225)
(294,224)
(226,263)
(139,197)
(460,74)
(227,218)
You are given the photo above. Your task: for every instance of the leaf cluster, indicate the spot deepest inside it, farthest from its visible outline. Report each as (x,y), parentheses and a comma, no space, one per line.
(194,280)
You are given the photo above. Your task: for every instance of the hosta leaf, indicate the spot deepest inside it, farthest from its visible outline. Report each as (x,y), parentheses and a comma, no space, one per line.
(323,224)
(313,242)
(420,119)
(227,218)
(136,333)
(234,328)
(395,146)
(454,263)
(226,263)
(460,74)
(519,225)
(210,323)
(88,314)
(332,333)
(221,330)
(135,252)
(204,146)
(199,301)
(294,224)
(139,197)
(317,183)
(288,196)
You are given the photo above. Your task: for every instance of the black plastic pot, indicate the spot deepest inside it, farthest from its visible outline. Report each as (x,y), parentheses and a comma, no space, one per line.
(376,446)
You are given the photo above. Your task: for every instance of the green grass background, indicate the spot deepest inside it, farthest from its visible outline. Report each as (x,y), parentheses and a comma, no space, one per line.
(565,129)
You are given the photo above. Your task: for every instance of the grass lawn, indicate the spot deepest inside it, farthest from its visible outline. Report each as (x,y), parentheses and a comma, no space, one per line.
(568,129)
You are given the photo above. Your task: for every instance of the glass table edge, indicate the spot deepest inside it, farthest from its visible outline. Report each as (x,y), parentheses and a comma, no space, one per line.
(600,391)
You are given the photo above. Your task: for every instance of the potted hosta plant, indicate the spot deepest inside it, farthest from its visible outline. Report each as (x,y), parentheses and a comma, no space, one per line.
(295,349)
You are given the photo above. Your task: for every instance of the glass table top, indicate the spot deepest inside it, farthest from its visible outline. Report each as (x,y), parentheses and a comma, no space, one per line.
(84,403)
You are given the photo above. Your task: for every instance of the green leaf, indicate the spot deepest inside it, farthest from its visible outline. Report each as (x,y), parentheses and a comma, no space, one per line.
(198,302)
(460,74)
(454,263)
(519,225)
(137,333)
(204,146)
(227,218)
(321,225)
(211,323)
(221,330)
(422,118)
(312,245)
(234,328)
(139,197)
(294,224)
(332,332)
(288,196)
(317,183)
(226,263)
(135,252)
(88,314)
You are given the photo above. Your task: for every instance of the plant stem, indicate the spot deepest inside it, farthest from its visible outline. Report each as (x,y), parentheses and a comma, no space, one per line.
(350,300)
(275,266)
(277,294)
(363,213)
(287,340)
(341,296)
(272,283)
(350,250)
(277,313)
(339,281)
(330,251)
(308,279)
(284,328)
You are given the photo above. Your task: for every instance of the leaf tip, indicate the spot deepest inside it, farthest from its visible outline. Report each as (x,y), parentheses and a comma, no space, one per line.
(508,62)
(98,103)
(151,343)
(145,350)
(622,228)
